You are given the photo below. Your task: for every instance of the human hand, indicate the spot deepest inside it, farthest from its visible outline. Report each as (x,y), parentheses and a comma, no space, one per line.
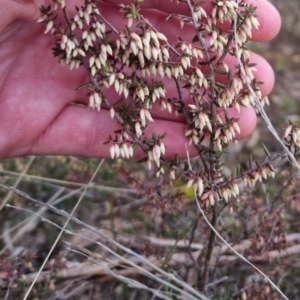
(37,116)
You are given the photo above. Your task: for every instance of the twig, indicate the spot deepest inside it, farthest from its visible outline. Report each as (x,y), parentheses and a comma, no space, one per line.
(209,251)
(230,247)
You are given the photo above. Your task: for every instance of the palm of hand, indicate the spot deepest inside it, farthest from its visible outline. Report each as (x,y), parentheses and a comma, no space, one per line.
(35,89)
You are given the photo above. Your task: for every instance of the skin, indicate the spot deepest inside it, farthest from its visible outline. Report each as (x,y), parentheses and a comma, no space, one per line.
(37,116)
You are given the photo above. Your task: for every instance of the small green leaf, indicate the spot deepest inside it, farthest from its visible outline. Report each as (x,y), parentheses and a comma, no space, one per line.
(83,86)
(266,151)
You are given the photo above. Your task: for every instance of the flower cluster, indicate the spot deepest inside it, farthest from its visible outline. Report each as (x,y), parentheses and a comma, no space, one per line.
(228,96)
(123,150)
(200,119)
(156,150)
(209,196)
(197,183)
(121,146)
(260,173)
(224,10)
(292,137)
(129,61)
(225,133)
(225,192)
(230,189)
(245,29)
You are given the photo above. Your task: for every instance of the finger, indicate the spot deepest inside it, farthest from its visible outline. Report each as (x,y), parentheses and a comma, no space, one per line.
(77,131)
(263,74)
(268,16)
(269,20)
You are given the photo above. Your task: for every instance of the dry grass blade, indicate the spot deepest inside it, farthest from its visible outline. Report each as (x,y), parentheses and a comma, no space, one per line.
(187,290)
(66,183)
(63,229)
(20,178)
